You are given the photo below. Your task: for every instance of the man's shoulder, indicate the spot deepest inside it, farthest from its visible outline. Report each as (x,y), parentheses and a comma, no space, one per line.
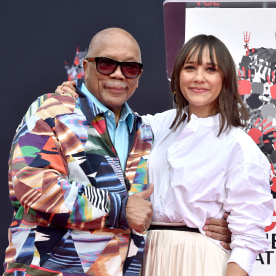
(54,104)
(62,99)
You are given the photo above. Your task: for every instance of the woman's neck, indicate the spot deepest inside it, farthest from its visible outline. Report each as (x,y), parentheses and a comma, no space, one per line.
(202,112)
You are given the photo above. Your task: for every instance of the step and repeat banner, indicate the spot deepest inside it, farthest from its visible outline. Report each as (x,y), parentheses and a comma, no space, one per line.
(249,31)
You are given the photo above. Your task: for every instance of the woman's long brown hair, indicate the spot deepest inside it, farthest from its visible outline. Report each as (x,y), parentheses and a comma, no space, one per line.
(230,105)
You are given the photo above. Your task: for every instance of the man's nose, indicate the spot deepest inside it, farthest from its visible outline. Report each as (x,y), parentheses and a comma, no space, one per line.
(118,73)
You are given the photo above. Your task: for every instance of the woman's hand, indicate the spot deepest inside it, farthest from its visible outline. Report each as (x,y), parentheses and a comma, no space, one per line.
(67,87)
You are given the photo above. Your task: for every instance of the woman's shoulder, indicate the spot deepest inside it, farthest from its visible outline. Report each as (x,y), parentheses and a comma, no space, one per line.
(240,136)
(247,147)
(160,120)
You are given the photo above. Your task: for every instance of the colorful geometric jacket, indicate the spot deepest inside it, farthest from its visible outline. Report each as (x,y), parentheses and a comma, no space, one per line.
(69,192)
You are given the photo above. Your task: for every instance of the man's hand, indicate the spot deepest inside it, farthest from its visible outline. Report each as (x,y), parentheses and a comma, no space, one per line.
(139,210)
(68,87)
(218,229)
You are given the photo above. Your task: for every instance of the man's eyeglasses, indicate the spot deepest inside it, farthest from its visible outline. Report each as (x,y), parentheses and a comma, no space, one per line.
(107,66)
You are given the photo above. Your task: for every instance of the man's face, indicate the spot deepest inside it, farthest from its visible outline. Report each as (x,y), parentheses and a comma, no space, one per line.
(115,89)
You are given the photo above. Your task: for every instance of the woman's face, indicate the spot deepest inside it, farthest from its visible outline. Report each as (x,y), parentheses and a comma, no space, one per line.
(201,84)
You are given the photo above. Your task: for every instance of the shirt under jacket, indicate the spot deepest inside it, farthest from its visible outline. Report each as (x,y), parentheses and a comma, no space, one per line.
(119,134)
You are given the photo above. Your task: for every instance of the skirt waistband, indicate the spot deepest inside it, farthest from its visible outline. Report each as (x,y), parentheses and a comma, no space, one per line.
(173,227)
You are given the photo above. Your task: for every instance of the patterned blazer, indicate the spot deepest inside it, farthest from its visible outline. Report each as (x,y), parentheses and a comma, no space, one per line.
(69,192)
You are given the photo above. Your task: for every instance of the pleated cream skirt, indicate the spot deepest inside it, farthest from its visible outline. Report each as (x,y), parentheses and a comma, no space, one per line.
(182,253)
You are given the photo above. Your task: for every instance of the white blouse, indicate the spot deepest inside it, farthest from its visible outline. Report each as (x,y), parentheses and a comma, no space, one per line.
(198,175)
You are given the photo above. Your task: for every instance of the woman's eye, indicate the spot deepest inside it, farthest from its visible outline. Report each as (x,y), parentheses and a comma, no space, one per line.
(189,67)
(211,69)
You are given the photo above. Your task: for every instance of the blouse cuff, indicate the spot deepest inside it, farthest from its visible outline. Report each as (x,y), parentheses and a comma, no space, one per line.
(245,258)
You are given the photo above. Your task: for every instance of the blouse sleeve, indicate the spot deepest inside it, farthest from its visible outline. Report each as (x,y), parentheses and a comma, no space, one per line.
(160,123)
(250,204)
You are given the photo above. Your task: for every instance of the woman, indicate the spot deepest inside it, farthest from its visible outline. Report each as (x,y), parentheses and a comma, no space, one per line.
(203,164)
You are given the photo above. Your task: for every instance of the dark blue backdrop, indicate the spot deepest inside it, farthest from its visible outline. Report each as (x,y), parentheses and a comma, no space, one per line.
(38,36)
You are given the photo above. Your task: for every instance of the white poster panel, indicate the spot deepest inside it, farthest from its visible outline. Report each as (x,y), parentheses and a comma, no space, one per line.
(250,35)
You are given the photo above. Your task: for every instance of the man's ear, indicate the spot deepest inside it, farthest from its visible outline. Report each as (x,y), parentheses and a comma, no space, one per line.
(140,74)
(85,68)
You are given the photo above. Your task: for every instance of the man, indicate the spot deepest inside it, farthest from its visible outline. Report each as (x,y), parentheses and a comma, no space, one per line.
(77,172)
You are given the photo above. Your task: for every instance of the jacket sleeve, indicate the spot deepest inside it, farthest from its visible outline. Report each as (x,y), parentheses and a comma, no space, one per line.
(39,174)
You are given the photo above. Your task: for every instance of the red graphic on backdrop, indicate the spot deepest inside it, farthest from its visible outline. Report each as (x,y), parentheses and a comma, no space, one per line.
(208,4)
(244,86)
(75,71)
(273,224)
(246,38)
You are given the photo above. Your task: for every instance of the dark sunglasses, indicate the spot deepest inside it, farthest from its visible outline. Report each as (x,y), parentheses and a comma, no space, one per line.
(107,66)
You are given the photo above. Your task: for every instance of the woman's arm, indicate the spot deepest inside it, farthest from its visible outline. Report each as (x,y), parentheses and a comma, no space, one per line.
(250,204)
(234,269)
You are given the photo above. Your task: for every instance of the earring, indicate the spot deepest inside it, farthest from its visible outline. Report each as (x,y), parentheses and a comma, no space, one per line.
(174,96)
